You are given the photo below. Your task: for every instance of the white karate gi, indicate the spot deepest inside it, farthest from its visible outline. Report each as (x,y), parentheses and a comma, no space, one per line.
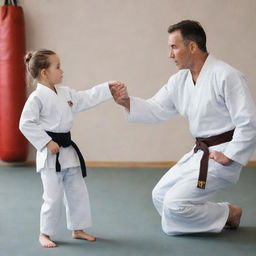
(47,111)
(219,102)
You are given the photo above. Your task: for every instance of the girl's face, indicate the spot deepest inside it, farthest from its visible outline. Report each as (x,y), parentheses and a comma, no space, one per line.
(53,75)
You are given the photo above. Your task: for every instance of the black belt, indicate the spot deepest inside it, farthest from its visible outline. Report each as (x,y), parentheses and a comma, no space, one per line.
(203,144)
(64,140)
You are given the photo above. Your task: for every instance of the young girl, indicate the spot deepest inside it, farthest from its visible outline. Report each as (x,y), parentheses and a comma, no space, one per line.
(46,121)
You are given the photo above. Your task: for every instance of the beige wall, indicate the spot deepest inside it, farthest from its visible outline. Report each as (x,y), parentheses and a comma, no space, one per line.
(127,40)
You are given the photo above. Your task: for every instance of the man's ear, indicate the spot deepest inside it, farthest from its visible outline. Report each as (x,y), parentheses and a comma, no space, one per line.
(193,47)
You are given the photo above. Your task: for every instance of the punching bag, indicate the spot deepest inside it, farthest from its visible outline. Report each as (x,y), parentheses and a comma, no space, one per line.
(13,146)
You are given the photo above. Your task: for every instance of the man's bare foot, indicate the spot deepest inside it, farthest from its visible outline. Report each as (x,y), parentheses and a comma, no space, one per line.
(234,217)
(80,234)
(46,242)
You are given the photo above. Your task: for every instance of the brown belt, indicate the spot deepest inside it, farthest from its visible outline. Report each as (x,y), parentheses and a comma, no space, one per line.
(203,144)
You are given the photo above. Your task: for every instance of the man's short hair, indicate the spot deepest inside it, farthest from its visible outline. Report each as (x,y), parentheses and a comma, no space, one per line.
(191,31)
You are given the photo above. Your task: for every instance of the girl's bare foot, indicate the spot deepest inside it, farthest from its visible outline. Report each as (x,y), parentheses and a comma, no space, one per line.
(46,242)
(80,234)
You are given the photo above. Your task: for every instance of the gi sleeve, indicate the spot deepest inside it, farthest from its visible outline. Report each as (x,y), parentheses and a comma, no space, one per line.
(87,99)
(243,114)
(30,126)
(157,109)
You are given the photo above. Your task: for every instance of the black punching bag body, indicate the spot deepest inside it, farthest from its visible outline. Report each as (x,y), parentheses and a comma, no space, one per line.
(13,146)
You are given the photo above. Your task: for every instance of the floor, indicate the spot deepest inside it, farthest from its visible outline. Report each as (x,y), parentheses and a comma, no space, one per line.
(125,221)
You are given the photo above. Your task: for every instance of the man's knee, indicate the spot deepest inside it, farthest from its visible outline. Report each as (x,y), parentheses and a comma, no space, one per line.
(175,212)
(170,231)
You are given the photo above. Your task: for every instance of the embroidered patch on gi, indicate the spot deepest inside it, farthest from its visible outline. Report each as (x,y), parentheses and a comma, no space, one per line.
(70,103)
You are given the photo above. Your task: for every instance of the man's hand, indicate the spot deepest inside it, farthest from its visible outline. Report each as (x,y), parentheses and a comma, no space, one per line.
(220,158)
(53,147)
(120,94)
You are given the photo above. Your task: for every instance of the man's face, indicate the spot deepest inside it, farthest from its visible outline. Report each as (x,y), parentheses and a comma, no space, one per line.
(178,51)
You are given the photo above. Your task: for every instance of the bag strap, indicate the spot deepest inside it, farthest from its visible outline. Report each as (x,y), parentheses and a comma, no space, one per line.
(10,2)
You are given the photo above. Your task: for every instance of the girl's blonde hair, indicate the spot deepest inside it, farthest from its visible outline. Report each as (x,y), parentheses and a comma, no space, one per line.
(36,61)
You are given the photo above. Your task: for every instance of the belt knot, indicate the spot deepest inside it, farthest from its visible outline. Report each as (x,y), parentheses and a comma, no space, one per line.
(203,144)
